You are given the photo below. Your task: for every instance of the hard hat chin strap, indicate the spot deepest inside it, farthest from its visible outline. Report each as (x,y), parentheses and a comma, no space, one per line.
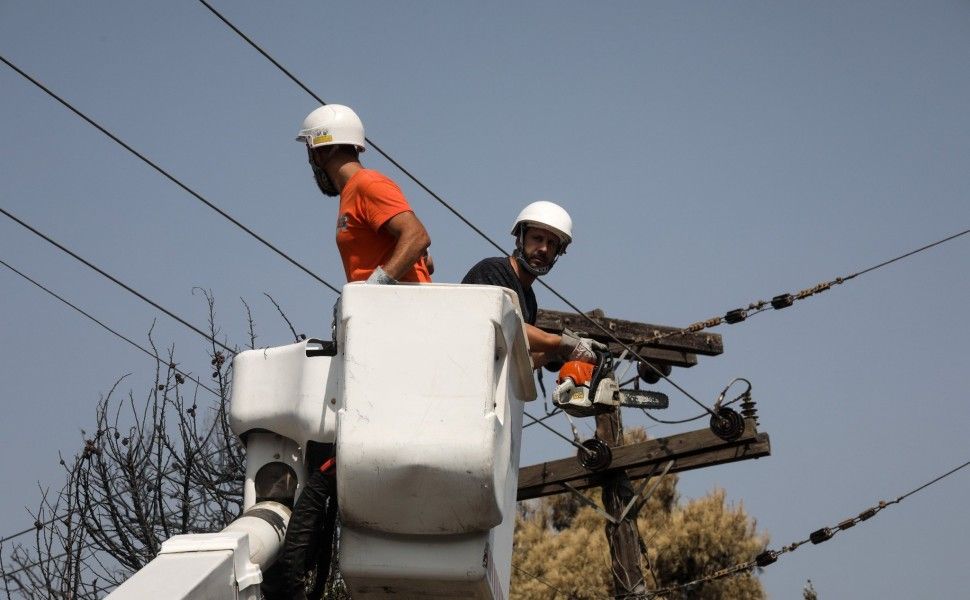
(323,182)
(519,256)
(320,176)
(536,271)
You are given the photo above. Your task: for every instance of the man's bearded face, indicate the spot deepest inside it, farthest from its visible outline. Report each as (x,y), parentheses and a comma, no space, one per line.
(540,247)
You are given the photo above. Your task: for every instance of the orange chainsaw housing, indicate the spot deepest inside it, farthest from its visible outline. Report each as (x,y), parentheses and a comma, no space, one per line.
(580,372)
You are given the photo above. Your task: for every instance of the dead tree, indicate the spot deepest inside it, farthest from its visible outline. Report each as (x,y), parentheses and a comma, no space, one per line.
(151,467)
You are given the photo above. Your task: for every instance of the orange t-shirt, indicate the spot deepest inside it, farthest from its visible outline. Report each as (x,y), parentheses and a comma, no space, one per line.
(367,201)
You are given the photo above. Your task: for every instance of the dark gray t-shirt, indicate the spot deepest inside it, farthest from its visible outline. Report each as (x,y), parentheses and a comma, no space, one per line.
(498,271)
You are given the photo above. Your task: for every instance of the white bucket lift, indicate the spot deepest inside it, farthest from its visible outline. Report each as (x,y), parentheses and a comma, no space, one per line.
(429,431)
(282,398)
(422,394)
(228,565)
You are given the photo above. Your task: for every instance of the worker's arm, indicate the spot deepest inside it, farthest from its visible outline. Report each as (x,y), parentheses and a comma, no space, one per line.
(412,241)
(541,341)
(560,347)
(543,346)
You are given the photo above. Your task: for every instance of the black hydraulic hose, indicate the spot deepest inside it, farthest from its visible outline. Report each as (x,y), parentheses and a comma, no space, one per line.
(324,551)
(307,547)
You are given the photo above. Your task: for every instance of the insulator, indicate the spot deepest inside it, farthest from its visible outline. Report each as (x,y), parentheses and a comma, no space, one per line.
(866,515)
(727,424)
(846,524)
(649,375)
(782,301)
(596,456)
(736,316)
(766,558)
(748,408)
(821,535)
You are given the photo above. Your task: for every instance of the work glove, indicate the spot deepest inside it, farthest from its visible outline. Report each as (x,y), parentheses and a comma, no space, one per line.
(380,277)
(573,347)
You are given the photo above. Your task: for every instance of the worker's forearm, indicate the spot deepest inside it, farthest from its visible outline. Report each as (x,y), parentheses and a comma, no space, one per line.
(541,341)
(410,247)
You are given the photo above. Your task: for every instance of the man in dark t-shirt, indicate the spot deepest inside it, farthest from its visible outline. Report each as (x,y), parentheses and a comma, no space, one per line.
(498,271)
(542,232)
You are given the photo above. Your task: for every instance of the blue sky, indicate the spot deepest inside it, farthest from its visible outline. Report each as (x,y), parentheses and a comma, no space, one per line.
(711,154)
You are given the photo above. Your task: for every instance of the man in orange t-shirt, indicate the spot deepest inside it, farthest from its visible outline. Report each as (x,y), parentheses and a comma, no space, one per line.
(380,241)
(379,237)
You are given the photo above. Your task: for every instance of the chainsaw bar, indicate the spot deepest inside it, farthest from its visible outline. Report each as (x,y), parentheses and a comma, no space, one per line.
(642,399)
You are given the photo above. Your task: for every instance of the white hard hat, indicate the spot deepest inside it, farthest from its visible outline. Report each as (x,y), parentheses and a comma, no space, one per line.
(546,215)
(330,125)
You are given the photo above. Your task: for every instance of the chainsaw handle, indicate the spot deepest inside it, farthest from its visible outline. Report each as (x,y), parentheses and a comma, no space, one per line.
(604,366)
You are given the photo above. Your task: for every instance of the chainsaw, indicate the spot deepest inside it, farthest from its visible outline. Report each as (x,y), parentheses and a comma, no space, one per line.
(585,390)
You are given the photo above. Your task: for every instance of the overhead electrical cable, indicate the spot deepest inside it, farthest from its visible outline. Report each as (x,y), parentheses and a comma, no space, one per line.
(115,280)
(545,583)
(733,316)
(168,175)
(37,525)
(778,302)
(540,419)
(781,301)
(41,524)
(453,210)
(816,537)
(377,148)
(536,421)
(82,547)
(7,574)
(159,359)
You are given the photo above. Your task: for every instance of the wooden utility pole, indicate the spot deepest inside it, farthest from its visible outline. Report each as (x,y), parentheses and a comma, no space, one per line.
(681,452)
(621,532)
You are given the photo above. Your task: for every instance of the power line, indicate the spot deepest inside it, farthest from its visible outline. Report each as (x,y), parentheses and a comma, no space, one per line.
(226,215)
(115,280)
(536,421)
(542,581)
(672,422)
(168,175)
(733,316)
(86,546)
(908,254)
(377,148)
(818,536)
(113,332)
(539,420)
(41,524)
(7,574)
(38,525)
(778,302)
(760,307)
(781,301)
(270,245)
(451,208)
